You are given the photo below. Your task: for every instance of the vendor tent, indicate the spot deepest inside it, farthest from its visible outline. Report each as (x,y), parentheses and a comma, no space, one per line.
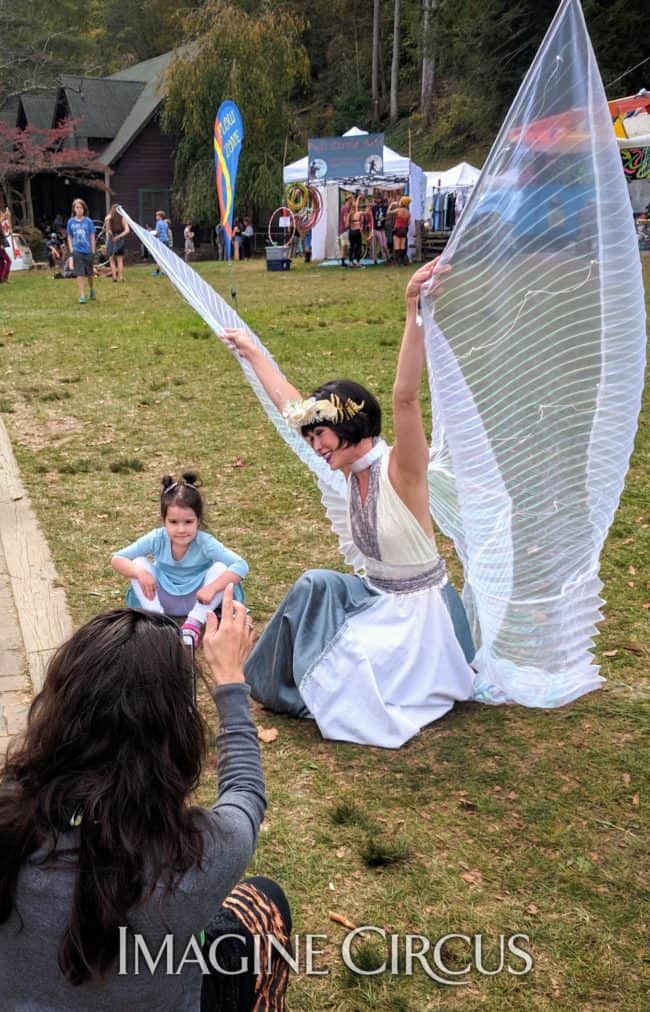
(398,172)
(462,174)
(631,118)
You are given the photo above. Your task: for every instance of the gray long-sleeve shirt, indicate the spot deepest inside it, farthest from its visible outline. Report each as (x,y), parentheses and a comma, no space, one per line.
(30,979)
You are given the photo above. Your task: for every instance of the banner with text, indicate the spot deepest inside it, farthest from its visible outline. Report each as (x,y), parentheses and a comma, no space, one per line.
(228,139)
(346,157)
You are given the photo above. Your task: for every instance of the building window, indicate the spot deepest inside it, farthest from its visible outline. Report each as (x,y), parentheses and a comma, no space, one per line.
(150,201)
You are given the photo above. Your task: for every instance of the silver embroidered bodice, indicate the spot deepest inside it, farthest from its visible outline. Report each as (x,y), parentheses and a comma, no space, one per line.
(399,556)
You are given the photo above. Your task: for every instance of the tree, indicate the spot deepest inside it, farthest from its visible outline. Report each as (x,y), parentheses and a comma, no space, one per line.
(394,67)
(255,60)
(28,152)
(136,29)
(375,60)
(429,11)
(40,41)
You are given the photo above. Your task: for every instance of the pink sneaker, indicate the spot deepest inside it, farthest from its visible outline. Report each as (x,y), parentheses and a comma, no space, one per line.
(191,630)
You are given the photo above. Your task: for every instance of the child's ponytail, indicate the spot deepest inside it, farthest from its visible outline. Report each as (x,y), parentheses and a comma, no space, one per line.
(181,492)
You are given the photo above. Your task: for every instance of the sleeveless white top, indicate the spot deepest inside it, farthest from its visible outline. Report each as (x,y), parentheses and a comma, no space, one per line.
(394,546)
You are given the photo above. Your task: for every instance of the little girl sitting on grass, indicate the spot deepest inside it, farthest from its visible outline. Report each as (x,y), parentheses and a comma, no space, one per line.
(190,568)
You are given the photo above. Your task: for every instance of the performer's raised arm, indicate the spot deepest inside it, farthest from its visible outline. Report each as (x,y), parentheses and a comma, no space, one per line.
(277,387)
(411,450)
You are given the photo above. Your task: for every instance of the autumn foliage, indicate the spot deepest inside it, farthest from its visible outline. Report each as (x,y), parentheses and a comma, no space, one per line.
(26,152)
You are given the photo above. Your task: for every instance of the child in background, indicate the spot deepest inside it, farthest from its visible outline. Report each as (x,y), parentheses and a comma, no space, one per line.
(55,250)
(190,568)
(163,233)
(81,243)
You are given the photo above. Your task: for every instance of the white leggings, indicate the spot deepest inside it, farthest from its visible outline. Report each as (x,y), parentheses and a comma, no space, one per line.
(182,604)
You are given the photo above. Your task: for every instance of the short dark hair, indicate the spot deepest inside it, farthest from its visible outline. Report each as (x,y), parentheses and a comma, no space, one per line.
(366,423)
(181,492)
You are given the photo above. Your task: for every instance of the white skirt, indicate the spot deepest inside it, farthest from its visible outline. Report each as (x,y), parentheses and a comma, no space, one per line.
(390,670)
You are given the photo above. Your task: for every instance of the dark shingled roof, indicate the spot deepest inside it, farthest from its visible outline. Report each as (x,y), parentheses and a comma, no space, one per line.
(39,109)
(114,109)
(100,104)
(152,72)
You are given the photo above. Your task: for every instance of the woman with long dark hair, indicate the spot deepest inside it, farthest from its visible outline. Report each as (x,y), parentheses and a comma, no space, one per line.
(101,854)
(117,230)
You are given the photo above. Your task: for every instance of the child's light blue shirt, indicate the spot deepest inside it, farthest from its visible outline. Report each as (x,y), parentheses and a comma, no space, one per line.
(184,576)
(162,233)
(81,230)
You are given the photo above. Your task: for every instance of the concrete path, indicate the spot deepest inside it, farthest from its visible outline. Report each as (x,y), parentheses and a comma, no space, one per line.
(15,685)
(34,617)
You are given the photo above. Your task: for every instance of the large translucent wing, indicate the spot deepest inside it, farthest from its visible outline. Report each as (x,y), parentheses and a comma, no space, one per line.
(219,315)
(536,353)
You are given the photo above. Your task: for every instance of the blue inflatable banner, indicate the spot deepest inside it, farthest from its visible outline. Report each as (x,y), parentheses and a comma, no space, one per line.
(228,139)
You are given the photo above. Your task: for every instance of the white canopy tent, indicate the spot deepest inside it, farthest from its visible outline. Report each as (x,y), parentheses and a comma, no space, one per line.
(398,170)
(459,179)
(462,174)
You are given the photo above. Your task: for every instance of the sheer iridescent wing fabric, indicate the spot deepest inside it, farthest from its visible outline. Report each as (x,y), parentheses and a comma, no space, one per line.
(535,353)
(218,315)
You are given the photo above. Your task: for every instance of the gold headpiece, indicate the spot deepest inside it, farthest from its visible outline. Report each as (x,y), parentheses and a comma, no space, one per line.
(331,409)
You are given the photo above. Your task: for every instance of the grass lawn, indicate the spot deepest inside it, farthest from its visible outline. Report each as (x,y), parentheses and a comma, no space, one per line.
(492,821)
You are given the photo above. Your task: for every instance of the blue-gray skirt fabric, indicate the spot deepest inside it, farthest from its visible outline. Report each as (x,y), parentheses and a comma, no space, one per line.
(306,625)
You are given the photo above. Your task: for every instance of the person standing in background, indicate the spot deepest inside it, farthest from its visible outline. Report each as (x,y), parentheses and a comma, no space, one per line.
(5,239)
(344,216)
(82,240)
(354,236)
(237,239)
(379,211)
(188,236)
(401,222)
(162,232)
(116,232)
(219,241)
(248,235)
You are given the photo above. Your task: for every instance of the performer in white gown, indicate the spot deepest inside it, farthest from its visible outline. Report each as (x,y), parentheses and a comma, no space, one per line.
(535,359)
(373,657)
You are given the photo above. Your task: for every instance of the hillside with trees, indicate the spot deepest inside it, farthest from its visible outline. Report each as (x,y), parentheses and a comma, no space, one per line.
(430,73)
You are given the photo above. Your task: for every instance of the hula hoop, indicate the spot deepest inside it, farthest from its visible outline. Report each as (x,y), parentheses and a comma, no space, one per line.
(283,212)
(296,196)
(310,215)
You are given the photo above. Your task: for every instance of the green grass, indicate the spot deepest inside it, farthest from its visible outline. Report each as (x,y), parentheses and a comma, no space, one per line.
(493,820)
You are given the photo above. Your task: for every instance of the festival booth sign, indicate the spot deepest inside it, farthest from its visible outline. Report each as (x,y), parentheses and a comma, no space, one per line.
(346,157)
(631,117)
(398,173)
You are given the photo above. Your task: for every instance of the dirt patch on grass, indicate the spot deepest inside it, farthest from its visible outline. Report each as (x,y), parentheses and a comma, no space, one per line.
(38,433)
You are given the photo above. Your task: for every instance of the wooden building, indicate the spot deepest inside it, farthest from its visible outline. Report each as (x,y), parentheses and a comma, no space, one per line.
(118,118)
